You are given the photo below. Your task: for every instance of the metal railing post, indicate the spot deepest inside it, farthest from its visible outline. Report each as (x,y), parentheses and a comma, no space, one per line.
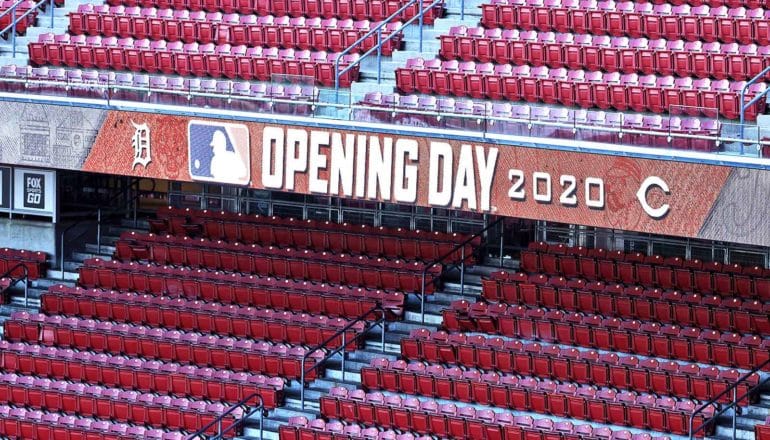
(302,384)
(344,353)
(422,299)
(13,30)
(420,12)
(735,410)
(26,292)
(462,9)
(501,245)
(462,272)
(379,55)
(53,6)
(382,332)
(61,255)
(99,231)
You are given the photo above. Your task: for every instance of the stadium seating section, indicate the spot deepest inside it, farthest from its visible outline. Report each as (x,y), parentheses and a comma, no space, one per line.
(567,337)
(152,346)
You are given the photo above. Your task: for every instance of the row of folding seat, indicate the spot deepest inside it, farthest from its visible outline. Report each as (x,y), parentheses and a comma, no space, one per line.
(357,9)
(639,257)
(190,59)
(233,95)
(650,273)
(632,19)
(587,89)
(166,345)
(299,428)
(34,262)
(522,119)
(302,265)
(449,420)
(420,246)
(174,220)
(219,319)
(688,309)
(543,396)
(567,365)
(23,255)
(279,294)
(203,28)
(617,54)
(132,246)
(627,336)
(35,424)
(112,403)
(136,374)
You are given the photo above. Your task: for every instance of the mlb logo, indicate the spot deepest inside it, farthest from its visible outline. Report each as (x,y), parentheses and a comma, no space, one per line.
(219,152)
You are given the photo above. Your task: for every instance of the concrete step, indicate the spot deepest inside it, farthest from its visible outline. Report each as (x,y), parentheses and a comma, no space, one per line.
(57,275)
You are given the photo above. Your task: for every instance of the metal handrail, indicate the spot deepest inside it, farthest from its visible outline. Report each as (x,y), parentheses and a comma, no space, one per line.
(734,404)
(98,213)
(12,27)
(748,84)
(488,120)
(341,332)
(444,257)
(378,30)
(201,433)
(14,281)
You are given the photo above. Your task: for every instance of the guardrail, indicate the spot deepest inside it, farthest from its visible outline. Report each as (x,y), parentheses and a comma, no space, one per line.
(14,281)
(243,403)
(732,405)
(380,41)
(15,21)
(343,333)
(453,265)
(753,100)
(105,94)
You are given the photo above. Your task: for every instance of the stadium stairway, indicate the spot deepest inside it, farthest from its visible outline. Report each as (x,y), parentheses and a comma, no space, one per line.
(43,25)
(361,358)
(368,79)
(54,277)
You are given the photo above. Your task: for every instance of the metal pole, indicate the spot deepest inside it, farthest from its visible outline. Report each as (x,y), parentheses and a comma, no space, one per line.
(99,231)
(344,353)
(61,255)
(13,28)
(422,299)
(379,55)
(52,8)
(462,272)
(420,19)
(382,332)
(26,291)
(735,409)
(261,420)
(502,233)
(462,9)
(302,385)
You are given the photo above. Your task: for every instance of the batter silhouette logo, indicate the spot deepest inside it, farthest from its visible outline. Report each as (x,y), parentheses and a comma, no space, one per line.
(219,152)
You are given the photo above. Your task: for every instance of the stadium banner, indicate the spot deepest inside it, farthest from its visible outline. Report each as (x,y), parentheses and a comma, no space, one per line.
(665,197)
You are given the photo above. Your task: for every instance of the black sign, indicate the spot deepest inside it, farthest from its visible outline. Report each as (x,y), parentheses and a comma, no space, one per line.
(5,188)
(34,190)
